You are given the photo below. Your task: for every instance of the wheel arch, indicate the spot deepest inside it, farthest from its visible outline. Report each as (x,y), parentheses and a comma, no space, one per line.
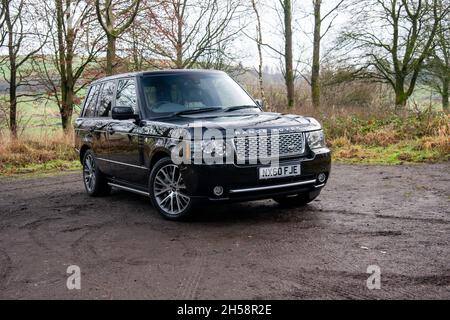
(158,155)
(83,150)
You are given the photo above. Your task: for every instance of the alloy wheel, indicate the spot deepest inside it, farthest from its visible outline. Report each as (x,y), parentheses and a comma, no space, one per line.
(89,173)
(170,191)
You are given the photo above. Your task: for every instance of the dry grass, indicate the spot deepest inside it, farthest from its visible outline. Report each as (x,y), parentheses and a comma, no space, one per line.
(440,142)
(382,137)
(29,154)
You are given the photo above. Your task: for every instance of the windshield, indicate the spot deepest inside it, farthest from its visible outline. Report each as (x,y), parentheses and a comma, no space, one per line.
(169,94)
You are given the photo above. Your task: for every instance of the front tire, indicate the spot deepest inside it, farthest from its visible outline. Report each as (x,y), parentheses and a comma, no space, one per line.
(297,200)
(168,191)
(94,180)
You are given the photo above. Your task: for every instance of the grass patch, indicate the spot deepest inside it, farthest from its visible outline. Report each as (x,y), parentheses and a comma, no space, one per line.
(406,152)
(46,167)
(391,140)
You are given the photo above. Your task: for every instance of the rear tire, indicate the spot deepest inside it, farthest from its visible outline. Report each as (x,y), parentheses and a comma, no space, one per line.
(298,200)
(95,181)
(168,191)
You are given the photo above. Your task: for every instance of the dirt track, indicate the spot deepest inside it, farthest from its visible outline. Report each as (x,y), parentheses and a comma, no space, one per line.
(395,217)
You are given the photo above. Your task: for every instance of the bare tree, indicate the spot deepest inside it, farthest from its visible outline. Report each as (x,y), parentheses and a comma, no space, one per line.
(17,34)
(259,42)
(393,38)
(437,66)
(74,46)
(289,74)
(115,17)
(317,38)
(136,42)
(185,31)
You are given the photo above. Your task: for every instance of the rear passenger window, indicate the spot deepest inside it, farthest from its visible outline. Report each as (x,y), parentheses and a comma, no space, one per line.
(126,94)
(91,102)
(106,99)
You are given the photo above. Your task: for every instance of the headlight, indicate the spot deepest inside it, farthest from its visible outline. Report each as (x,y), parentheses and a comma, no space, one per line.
(316,139)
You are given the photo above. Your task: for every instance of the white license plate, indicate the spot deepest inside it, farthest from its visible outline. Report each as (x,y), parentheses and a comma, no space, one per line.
(279,172)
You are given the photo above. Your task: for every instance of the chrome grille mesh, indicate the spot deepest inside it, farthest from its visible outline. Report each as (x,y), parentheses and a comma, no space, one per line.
(256,147)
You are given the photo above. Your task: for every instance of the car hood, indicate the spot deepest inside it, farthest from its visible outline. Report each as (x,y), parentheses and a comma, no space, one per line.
(244,121)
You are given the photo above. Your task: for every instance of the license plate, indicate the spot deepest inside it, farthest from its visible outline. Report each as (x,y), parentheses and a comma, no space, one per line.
(279,172)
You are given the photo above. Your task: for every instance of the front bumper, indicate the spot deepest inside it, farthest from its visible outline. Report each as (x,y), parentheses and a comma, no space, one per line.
(241,182)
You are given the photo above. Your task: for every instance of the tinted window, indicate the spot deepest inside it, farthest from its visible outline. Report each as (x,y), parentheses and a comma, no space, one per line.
(178,92)
(106,99)
(126,94)
(91,102)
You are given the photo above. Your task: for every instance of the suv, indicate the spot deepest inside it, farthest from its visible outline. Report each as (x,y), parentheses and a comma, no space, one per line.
(183,136)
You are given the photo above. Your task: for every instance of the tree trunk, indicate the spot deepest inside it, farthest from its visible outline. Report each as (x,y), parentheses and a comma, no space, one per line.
(110,55)
(179,45)
(13,105)
(315,72)
(401,96)
(289,77)
(445,97)
(179,62)
(260,56)
(400,99)
(13,96)
(12,55)
(67,110)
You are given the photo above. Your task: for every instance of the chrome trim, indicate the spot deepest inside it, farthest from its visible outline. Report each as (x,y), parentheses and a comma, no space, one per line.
(320,186)
(118,186)
(278,186)
(122,163)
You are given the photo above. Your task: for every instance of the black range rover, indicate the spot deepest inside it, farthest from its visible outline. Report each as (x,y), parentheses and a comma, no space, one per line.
(183,136)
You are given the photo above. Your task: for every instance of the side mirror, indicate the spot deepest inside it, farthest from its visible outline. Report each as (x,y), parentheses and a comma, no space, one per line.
(123,113)
(260,103)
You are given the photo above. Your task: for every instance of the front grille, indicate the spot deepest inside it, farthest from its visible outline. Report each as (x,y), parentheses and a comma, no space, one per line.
(254,147)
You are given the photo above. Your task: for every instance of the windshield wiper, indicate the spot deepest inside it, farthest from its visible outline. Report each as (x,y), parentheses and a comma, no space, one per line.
(194,111)
(239,108)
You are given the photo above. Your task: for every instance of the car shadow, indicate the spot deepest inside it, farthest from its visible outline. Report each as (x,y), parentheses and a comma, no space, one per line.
(234,212)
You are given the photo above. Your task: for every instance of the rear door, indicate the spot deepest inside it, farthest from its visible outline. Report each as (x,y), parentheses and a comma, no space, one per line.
(103,118)
(125,153)
(90,125)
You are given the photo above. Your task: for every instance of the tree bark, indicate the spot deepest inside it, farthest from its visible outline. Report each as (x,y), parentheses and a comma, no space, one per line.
(67,111)
(445,96)
(315,72)
(289,64)
(400,99)
(110,55)
(12,56)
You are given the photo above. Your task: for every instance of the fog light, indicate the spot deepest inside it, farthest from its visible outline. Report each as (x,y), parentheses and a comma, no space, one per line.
(218,190)
(321,177)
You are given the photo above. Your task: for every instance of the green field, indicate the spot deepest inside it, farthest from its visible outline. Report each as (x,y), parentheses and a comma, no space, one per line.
(37,116)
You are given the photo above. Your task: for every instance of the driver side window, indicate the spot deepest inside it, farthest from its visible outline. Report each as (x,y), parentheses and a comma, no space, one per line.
(126,94)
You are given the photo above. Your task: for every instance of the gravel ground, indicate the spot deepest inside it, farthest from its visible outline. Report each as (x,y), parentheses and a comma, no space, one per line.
(394,217)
